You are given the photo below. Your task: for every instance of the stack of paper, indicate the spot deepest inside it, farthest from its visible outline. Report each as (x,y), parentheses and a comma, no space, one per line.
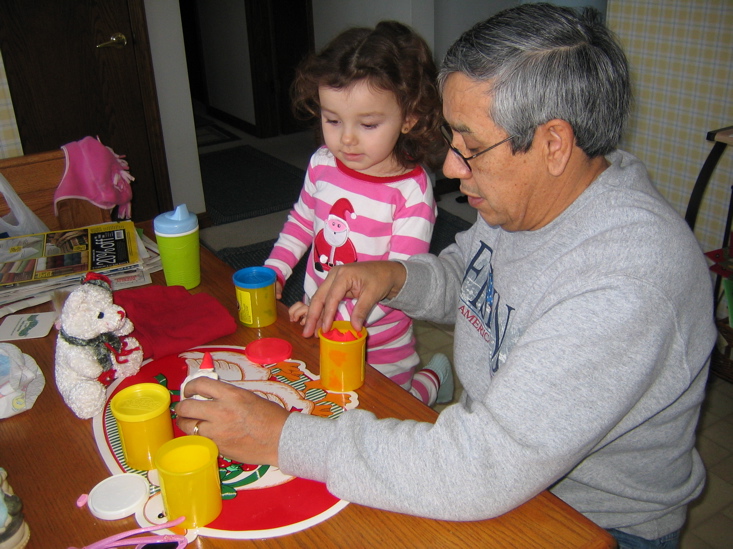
(33,267)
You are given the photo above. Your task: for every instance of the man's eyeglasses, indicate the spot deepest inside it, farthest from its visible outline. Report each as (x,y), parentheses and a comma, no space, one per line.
(447,132)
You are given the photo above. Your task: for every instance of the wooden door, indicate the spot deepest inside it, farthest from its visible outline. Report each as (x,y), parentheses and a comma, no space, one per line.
(64,87)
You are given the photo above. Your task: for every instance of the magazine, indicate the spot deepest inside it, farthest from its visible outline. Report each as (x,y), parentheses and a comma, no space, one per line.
(18,296)
(105,248)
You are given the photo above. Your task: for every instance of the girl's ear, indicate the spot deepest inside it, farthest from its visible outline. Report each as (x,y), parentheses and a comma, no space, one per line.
(409,123)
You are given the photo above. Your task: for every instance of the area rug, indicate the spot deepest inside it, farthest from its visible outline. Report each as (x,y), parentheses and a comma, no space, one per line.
(446,227)
(244,182)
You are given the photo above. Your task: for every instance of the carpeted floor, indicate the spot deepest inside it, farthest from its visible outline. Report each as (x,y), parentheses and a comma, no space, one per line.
(243,182)
(446,227)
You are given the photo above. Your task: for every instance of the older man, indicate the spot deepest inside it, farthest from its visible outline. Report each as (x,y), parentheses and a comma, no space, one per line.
(581,300)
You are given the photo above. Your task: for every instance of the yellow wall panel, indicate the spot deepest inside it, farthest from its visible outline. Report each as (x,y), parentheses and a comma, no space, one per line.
(680,53)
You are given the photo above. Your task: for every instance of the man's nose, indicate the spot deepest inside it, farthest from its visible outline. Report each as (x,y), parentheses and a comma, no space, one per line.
(454,167)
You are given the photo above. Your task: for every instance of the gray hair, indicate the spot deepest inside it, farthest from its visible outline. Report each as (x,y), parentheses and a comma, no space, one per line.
(546,62)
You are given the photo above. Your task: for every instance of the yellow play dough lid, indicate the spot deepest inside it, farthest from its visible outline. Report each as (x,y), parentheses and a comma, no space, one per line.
(140,402)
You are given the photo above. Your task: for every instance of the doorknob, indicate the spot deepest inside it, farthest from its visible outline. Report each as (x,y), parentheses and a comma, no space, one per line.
(117,40)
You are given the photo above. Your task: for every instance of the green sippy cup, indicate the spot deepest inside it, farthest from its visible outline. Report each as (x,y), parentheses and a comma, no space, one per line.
(177,234)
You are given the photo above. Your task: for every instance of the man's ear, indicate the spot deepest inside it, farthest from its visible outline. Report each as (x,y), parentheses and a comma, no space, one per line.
(557,139)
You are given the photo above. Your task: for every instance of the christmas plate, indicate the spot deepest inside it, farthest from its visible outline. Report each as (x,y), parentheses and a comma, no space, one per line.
(259,500)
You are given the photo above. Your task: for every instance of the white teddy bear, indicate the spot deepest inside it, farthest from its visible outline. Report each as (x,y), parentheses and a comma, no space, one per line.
(93,346)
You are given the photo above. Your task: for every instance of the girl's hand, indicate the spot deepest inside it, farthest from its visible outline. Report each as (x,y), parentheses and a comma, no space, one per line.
(278,290)
(298,312)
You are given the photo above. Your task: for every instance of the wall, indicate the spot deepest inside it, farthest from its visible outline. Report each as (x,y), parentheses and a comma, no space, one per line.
(439,22)
(330,17)
(9,139)
(681,54)
(174,101)
(453,18)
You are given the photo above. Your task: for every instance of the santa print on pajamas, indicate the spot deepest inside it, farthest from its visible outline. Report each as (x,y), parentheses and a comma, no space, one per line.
(346,216)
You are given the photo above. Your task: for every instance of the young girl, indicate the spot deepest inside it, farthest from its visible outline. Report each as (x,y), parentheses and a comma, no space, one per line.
(366,195)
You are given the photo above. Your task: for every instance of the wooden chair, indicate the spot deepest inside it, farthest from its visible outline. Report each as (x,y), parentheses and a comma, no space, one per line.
(721,139)
(35,178)
(721,361)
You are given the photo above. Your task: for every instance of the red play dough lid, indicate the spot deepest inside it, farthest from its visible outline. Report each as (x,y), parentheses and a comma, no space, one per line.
(268,350)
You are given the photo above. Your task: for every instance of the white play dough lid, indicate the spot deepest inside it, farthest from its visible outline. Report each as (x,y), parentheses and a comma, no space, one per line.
(118,496)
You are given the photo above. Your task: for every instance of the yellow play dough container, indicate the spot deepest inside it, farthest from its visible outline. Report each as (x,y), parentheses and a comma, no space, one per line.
(188,471)
(144,422)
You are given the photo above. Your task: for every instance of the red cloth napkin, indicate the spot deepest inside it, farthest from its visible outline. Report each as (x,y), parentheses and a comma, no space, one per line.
(169,320)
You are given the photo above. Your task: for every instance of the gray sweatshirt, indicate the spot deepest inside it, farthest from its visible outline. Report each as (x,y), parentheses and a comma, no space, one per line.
(583,351)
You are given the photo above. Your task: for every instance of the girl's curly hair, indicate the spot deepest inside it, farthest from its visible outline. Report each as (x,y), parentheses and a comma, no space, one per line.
(390,57)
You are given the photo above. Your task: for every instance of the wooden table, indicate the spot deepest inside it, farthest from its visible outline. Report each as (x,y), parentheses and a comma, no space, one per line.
(52,459)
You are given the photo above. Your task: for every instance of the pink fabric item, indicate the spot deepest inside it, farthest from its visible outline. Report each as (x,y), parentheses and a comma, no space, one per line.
(95,173)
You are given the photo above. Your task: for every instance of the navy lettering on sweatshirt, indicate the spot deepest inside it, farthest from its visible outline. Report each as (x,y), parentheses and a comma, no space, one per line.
(482,306)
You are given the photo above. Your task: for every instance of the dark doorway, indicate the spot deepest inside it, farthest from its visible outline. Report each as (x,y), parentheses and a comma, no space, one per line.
(279,33)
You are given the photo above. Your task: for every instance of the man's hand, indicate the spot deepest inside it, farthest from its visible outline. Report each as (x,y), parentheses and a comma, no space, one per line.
(244,426)
(368,282)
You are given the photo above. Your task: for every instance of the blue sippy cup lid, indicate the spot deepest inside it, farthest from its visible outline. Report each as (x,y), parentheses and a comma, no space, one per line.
(178,221)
